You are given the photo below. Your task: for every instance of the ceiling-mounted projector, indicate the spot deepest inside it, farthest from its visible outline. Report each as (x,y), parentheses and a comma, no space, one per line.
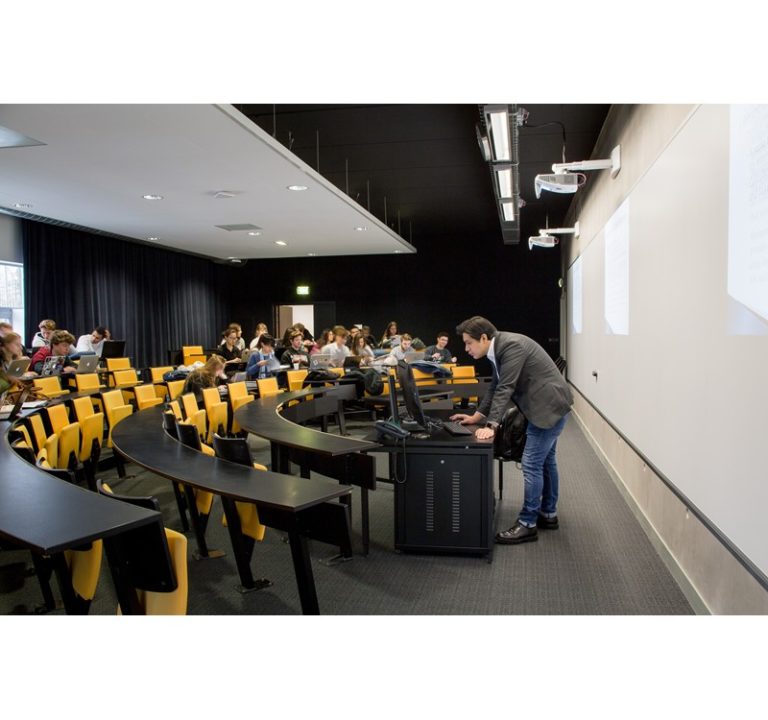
(545,241)
(560,183)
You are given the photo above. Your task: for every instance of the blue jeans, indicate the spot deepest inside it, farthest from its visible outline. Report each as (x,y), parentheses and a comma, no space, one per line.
(540,472)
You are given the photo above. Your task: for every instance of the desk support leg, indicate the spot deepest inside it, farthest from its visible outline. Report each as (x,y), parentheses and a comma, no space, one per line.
(365,519)
(242,548)
(199,527)
(302,566)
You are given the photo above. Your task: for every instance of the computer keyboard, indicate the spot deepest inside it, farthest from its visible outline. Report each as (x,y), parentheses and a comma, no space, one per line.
(454,428)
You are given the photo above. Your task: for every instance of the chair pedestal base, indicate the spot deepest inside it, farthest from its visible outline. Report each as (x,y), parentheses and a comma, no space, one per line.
(259,584)
(212,555)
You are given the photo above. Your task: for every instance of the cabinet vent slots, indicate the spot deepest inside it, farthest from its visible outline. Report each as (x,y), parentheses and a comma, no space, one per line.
(455,502)
(430,502)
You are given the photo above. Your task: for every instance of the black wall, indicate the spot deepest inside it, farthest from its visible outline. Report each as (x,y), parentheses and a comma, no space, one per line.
(447,281)
(159,300)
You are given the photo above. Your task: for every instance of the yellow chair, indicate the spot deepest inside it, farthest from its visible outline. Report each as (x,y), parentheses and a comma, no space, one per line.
(216,411)
(87,381)
(423,378)
(465,374)
(69,447)
(238,396)
(296,379)
(189,404)
(126,378)
(153,602)
(191,354)
(83,408)
(146,397)
(84,568)
(268,387)
(114,364)
(34,424)
(49,386)
(58,417)
(115,410)
(49,454)
(175,409)
(156,376)
(174,388)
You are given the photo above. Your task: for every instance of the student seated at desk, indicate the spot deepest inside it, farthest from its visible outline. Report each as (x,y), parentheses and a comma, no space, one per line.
(42,338)
(439,352)
(61,344)
(228,348)
(360,349)
(261,329)
(390,338)
(398,352)
(11,349)
(295,353)
(205,377)
(239,342)
(338,349)
(93,342)
(258,362)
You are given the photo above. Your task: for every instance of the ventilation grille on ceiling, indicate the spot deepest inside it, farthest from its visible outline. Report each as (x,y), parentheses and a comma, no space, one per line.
(240,227)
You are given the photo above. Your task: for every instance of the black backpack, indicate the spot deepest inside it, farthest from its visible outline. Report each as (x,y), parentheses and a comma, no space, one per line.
(509,440)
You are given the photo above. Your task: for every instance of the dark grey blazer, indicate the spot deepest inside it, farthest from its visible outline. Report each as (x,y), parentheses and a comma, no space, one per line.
(528,376)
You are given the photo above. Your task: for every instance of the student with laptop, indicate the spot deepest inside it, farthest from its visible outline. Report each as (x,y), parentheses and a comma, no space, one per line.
(259,362)
(61,343)
(12,355)
(42,337)
(93,343)
(439,352)
(338,349)
(398,352)
(295,354)
(361,350)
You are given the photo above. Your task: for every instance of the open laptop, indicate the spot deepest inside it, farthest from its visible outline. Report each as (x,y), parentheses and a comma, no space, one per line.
(352,361)
(88,364)
(18,367)
(113,349)
(53,365)
(413,356)
(9,412)
(319,361)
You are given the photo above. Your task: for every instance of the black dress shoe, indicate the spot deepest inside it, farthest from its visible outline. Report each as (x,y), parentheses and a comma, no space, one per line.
(517,534)
(547,523)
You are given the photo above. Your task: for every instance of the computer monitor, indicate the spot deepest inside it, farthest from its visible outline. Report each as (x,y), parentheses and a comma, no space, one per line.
(113,349)
(411,394)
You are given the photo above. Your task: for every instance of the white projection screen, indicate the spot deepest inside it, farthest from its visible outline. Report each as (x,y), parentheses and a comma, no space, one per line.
(688,384)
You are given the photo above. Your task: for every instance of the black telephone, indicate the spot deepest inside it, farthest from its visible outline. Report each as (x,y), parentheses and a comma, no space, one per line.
(385,427)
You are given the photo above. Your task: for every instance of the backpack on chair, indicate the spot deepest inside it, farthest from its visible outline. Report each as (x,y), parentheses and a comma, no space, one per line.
(509,440)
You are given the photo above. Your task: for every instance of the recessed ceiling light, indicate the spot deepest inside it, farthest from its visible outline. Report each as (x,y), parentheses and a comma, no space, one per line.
(397,252)
(297,188)
(255,233)
(311,254)
(361,228)
(280,242)
(153,238)
(22,206)
(152,197)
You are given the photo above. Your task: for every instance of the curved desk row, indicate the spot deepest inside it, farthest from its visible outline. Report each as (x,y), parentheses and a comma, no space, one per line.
(287,503)
(47,515)
(342,458)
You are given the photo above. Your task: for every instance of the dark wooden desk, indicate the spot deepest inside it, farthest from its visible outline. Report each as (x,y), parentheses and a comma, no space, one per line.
(334,456)
(48,516)
(284,502)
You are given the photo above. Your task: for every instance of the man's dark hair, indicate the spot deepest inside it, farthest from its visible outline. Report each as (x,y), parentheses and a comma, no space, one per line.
(266,340)
(475,327)
(101,330)
(442,333)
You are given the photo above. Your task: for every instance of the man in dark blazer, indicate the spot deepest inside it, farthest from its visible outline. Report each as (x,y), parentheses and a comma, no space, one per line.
(523,372)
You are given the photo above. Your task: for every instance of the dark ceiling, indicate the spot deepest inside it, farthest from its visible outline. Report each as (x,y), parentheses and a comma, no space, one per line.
(419,167)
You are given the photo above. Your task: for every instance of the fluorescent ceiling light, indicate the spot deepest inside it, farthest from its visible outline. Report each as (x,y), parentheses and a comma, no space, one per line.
(508,210)
(361,228)
(152,197)
(297,188)
(280,242)
(504,182)
(498,118)
(254,233)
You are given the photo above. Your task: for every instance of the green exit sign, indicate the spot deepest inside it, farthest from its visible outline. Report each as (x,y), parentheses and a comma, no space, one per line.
(302,289)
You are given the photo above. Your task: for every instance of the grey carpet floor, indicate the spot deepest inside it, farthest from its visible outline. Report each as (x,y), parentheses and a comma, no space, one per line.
(599,562)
